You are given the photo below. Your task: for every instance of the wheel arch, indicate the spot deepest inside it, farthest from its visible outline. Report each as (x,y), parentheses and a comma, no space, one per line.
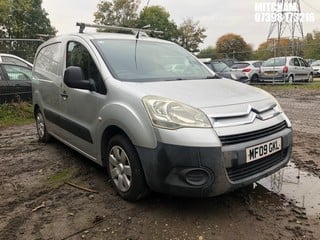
(107,134)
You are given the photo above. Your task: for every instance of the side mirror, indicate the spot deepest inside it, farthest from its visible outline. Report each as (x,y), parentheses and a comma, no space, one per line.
(74,78)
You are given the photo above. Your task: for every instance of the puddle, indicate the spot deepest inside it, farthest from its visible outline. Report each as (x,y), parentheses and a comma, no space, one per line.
(297,185)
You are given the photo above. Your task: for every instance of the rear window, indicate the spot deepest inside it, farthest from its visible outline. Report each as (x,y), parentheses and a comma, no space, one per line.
(239,65)
(220,67)
(274,62)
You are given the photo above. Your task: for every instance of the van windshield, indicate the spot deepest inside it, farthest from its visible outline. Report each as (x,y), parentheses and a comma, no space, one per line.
(141,60)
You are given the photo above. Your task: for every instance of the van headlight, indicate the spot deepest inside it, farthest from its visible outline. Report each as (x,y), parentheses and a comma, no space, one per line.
(170,114)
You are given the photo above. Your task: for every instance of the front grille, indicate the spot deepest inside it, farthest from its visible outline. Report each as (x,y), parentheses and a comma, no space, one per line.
(244,137)
(249,169)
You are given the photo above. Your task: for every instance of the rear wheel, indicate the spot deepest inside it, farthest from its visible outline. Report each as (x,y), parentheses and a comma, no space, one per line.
(42,131)
(125,170)
(310,78)
(254,78)
(290,79)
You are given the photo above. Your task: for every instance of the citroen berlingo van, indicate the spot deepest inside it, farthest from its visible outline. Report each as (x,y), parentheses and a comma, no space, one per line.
(155,116)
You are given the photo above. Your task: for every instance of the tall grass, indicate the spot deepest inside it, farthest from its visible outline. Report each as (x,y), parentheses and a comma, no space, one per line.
(15,113)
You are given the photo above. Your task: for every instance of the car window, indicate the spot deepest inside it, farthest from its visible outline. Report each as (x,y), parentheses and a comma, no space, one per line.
(257,64)
(8,59)
(296,62)
(220,66)
(303,63)
(316,63)
(141,60)
(78,55)
(17,73)
(240,65)
(274,62)
(48,59)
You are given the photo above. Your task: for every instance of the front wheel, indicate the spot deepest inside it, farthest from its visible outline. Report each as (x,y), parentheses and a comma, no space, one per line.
(42,131)
(125,170)
(310,78)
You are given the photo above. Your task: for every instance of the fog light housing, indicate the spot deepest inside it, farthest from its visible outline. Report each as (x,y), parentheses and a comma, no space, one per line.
(196,177)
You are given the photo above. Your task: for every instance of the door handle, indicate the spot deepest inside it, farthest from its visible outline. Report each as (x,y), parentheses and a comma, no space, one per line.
(64,96)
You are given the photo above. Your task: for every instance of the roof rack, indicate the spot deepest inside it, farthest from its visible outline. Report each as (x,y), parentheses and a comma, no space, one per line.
(117,28)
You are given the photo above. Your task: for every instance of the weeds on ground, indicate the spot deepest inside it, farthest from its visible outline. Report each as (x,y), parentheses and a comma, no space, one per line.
(304,86)
(15,113)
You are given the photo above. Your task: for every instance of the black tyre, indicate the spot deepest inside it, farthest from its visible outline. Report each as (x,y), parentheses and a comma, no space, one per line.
(254,78)
(310,78)
(290,79)
(125,170)
(42,131)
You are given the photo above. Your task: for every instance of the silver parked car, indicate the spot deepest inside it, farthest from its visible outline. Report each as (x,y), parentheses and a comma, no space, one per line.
(249,68)
(316,68)
(155,116)
(286,69)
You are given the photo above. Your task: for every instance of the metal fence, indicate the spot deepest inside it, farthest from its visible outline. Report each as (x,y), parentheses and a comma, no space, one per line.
(24,48)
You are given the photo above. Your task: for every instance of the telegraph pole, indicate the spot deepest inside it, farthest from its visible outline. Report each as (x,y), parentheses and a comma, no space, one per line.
(287,22)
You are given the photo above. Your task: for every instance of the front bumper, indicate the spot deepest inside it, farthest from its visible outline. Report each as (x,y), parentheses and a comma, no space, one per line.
(209,171)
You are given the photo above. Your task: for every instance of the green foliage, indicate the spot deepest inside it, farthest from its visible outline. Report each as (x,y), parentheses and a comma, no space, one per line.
(15,114)
(158,18)
(312,45)
(190,35)
(22,19)
(125,13)
(233,46)
(118,12)
(208,52)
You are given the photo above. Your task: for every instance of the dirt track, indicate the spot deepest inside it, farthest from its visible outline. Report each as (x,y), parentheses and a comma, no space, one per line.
(35,202)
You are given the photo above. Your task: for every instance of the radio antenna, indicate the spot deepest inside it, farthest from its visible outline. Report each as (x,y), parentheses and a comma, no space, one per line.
(144,27)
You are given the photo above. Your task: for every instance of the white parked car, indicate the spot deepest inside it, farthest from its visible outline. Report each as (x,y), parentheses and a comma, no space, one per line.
(316,68)
(249,68)
(13,59)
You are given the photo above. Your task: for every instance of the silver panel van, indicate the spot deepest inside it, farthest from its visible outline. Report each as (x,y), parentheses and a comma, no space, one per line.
(155,116)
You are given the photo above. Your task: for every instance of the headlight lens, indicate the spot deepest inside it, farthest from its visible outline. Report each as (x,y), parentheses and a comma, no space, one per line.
(278,109)
(170,114)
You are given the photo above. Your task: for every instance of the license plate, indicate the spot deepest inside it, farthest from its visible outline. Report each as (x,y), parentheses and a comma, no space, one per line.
(263,150)
(270,73)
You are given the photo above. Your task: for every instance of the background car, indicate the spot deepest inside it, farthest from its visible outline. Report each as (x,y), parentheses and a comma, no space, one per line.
(286,69)
(249,68)
(316,68)
(15,82)
(223,70)
(13,59)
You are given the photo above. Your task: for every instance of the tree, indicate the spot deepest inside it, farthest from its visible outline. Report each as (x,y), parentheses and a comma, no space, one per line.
(276,48)
(158,19)
(118,12)
(23,19)
(312,45)
(232,45)
(190,35)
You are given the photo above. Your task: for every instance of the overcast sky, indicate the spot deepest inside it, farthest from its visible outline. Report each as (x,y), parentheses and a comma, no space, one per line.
(218,17)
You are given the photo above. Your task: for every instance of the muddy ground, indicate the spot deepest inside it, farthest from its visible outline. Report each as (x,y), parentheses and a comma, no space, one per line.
(36,202)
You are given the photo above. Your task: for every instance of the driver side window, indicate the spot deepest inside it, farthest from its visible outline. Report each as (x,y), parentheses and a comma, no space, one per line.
(78,55)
